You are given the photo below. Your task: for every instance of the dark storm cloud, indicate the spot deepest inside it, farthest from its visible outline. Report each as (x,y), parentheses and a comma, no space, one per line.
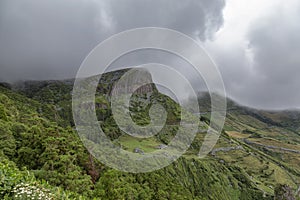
(45,39)
(273,80)
(49,39)
(197,18)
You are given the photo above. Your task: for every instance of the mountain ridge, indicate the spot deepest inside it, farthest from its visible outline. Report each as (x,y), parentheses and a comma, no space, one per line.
(36,123)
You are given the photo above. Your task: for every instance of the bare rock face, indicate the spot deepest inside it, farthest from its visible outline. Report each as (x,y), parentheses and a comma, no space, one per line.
(136,81)
(284,192)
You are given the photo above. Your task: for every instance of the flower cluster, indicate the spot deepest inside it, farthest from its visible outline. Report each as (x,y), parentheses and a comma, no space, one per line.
(27,191)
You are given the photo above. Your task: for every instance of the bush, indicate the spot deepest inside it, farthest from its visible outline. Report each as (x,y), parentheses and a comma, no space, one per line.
(24,191)
(10,176)
(3,115)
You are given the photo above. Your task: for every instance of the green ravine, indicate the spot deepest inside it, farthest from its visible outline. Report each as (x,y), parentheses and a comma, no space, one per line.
(42,157)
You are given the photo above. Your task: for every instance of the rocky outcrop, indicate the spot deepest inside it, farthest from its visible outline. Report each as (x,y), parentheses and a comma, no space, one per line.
(225,149)
(284,192)
(272,147)
(134,82)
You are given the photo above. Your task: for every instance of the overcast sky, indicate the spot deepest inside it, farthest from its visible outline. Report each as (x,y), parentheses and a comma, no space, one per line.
(256,44)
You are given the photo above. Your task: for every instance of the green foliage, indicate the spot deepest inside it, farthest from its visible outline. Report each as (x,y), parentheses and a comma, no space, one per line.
(10,176)
(7,140)
(16,184)
(3,115)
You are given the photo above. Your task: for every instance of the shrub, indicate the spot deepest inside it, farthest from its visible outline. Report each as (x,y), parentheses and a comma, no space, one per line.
(24,191)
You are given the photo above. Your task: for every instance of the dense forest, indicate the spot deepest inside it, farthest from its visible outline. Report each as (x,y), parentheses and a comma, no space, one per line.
(42,157)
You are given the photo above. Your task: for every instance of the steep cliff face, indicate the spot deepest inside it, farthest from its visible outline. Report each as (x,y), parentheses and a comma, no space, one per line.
(136,81)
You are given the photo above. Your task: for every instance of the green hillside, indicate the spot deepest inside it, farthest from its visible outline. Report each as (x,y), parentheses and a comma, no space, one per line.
(257,156)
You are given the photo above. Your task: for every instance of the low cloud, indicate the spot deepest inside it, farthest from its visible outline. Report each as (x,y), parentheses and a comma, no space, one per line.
(262,67)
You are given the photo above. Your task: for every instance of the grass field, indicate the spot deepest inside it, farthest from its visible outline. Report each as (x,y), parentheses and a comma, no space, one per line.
(237,135)
(147,145)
